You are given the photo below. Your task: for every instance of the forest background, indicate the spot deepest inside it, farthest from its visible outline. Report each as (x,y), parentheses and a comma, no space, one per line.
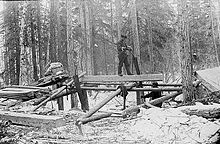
(82,35)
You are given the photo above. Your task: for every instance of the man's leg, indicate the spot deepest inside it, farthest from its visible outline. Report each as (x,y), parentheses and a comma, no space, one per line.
(127,66)
(120,65)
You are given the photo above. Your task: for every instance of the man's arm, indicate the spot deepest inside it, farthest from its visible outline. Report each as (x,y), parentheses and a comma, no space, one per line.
(119,47)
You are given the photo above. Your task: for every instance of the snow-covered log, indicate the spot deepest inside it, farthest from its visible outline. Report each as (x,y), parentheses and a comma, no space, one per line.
(206,111)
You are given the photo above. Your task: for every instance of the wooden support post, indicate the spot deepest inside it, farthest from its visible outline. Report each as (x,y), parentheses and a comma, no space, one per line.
(74,100)
(60,99)
(139,94)
(82,94)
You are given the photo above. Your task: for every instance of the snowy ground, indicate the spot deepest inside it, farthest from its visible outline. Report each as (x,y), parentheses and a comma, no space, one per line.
(155,126)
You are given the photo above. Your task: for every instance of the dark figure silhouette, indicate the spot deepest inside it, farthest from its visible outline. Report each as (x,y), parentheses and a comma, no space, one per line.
(154,94)
(122,55)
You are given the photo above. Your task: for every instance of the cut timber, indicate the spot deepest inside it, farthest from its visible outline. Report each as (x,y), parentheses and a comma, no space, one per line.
(135,89)
(210,78)
(206,111)
(20,92)
(34,120)
(59,91)
(94,118)
(162,99)
(116,83)
(105,101)
(51,80)
(125,78)
(152,102)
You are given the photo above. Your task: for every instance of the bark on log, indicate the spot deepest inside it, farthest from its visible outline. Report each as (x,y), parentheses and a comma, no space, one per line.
(206,111)
(94,118)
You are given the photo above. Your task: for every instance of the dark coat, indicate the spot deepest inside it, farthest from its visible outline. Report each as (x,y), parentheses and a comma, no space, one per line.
(154,95)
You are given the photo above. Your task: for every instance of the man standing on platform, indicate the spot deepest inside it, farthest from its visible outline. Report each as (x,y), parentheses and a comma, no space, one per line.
(122,55)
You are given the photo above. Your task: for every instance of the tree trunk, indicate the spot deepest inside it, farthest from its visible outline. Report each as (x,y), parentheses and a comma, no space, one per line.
(39,40)
(104,52)
(112,37)
(18,48)
(53,42)
(213,33)
(150,46)
(119,17)
(33,44)
(63,38)
(218,18)
(84,39)
(135,31)
(186,55)
(88,31)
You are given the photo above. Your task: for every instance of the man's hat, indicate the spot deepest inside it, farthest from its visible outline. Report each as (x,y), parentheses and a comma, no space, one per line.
(123,36)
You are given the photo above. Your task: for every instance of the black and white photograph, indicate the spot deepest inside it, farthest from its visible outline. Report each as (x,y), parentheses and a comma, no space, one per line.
(109,71)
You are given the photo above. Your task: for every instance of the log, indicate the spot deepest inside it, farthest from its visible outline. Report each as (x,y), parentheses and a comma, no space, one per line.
(152,102)
(206,111)
(51,80)
(94,118)
(164,84)
(135,89)
(43,121)
(162,99)
(105,101)
(144,84)
(66,92)
(125,78)
(28,87)
(56,93)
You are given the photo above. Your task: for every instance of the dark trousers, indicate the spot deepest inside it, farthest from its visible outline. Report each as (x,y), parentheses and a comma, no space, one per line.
(123,59)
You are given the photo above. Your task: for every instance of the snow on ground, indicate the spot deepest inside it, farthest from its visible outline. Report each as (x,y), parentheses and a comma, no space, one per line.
(154,126)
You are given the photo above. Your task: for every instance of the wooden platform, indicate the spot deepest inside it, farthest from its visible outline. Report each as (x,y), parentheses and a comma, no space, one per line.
(124,78)
(210,78)
(42,121)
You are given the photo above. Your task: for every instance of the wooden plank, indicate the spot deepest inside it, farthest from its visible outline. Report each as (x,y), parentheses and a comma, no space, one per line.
(27,87)
(134,89)
(42,121)
(125,78)
(17,93)
(117,83)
